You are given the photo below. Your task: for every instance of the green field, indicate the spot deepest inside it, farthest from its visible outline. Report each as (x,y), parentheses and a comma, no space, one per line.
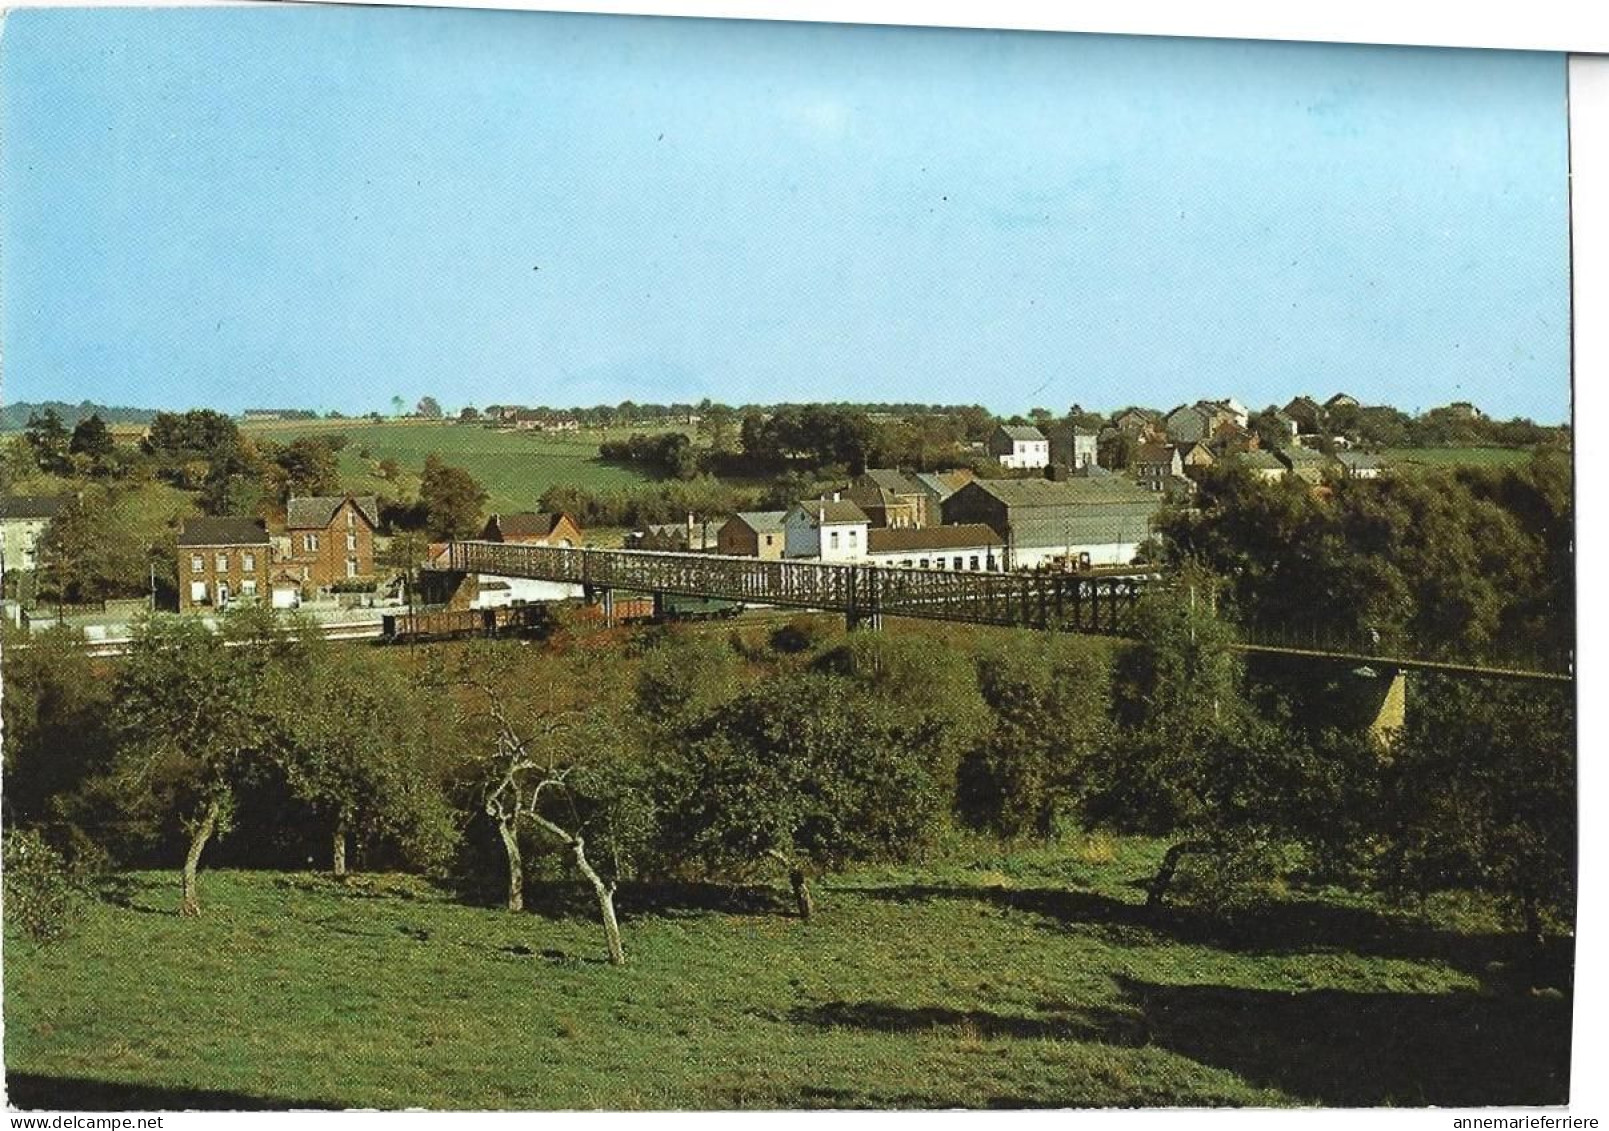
(1455,457)
(514,467)
(980,980)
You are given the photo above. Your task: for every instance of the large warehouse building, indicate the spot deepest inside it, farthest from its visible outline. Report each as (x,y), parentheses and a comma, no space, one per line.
(1041,519)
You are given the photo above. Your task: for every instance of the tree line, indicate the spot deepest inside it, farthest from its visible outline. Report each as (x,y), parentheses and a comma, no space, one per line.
(1464,562)
(781,756)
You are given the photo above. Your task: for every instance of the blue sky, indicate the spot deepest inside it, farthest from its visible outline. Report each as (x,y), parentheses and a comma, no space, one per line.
(327,207)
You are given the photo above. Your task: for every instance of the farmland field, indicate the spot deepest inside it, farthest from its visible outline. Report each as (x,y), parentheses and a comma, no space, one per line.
(514,467)
(980,979)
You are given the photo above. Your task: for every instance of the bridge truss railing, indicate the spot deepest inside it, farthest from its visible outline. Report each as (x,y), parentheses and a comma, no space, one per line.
(1067,602)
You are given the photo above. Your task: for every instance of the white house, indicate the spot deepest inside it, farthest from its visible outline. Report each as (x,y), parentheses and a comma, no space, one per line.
(1019,445)
(1085,443)
(829,530)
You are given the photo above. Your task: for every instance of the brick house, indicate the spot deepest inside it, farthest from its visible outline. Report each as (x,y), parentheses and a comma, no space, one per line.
(331,538)
(222,561)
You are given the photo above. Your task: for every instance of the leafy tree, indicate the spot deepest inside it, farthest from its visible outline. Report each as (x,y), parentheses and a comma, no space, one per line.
(452,499)
(55,706)
(1480,794)
(683,679)
(469,414)
(428,408)
(48,441)
(189,719)
(808,773)
(92,438)
(1049,700)
(308,466)
(352,757)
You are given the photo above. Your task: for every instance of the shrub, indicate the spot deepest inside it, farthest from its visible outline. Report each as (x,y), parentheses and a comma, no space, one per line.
(40,891)
(801,634)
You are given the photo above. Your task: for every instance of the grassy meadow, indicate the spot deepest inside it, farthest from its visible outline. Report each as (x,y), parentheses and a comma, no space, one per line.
(514,467)
(981,978)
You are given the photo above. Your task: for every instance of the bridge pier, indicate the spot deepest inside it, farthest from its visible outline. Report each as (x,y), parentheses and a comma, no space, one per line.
(659,607)
(454,589)
(1392,714)
(864,618)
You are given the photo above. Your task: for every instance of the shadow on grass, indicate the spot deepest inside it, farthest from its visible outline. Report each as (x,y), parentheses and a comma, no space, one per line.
(563,900)
(31,1091)
(1330,1047)
(147,896)
(1285,927)
(887,1017)
(1349,1049)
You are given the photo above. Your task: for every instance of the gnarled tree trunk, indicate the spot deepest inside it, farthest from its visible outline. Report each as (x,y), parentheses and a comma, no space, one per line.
(1157,890)
(190,903)
(606,901)
(516,865)
(796,880)
(801,892)
(338,851)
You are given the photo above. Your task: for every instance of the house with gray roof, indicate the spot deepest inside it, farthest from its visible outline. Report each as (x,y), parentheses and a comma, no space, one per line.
(1305,463)
(829,530)
(23,521)
(1360,465)
(1019,446)
(1040,519)
(752,534)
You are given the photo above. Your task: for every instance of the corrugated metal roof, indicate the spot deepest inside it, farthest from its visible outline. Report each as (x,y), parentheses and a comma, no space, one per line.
(1070,492)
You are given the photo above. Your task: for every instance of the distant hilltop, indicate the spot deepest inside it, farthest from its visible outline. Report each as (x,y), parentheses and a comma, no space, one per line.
(14,417)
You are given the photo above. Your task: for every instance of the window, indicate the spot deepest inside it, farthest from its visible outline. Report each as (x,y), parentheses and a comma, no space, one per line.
(351,520)
(221,563)
(974,561)
(768,539)
(351,540)
(923,563)
(310,541)
(852,534)
(248,589)
(958,562)
(248,562)
(198,592)
(834,542)
(351,567)
(197,563)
